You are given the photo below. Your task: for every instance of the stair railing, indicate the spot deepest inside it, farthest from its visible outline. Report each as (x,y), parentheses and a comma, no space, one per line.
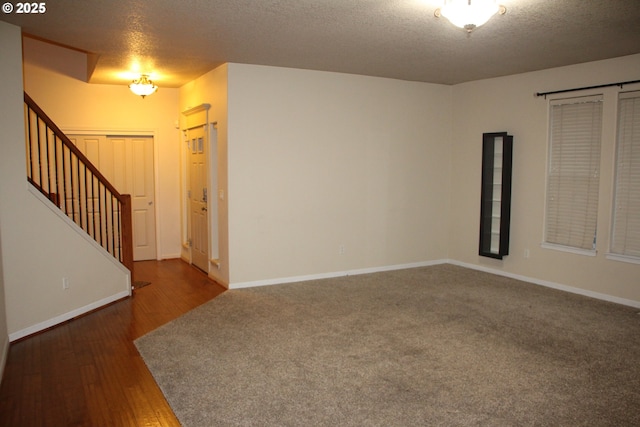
(60,171)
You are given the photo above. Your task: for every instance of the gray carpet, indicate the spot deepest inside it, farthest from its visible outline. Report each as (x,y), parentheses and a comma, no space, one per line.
(439,345)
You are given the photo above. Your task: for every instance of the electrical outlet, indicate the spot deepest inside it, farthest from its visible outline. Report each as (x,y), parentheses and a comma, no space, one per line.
(341,250)
(526,253)
(65,283)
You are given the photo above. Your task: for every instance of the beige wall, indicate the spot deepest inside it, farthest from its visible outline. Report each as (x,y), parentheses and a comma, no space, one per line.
(77,106)
(32,237)
(508,104)
(10,116)
(320,161)
(308,163)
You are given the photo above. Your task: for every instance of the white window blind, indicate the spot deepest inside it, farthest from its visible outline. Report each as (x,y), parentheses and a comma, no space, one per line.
(573,173)
(626,209)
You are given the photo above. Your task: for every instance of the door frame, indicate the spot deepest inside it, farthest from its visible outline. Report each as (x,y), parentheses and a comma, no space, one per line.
(195,117)
(131,133)
(189,150)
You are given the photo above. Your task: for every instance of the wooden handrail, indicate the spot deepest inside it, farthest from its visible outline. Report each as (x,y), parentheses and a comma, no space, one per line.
(67,142)
(91,201)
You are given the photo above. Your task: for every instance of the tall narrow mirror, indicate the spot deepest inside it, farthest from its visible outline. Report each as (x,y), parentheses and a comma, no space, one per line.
(495,204)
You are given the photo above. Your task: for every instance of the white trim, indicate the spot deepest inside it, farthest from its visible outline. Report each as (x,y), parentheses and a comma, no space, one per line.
(620,143)
(176,255)
(553,285)
(198,108)
(4,356)
(623,258)
(90,131)
(570,249)
(626,94)
(550,227)
(68,316)
(331,275)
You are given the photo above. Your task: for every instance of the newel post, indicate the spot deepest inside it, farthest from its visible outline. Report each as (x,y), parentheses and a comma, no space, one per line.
(127,234)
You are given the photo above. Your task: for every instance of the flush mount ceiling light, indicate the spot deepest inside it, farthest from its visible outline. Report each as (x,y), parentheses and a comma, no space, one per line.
(143,86)
(469,14)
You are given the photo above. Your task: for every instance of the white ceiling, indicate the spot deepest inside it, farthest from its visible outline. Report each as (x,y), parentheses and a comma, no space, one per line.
(179,40)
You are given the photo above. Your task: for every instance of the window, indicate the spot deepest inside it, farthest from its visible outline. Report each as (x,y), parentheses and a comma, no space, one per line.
(625,239)
(573,173)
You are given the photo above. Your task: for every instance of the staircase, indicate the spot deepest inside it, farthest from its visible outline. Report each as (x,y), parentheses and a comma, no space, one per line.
(59,170)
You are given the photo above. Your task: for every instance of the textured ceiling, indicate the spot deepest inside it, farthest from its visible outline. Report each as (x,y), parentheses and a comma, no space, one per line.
(179,40)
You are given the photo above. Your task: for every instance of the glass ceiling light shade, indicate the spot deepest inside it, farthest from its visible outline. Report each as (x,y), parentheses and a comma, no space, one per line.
(469,14)
(143,86)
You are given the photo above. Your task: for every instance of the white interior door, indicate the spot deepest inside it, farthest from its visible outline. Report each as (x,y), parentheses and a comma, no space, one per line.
(127,162)
(198,199)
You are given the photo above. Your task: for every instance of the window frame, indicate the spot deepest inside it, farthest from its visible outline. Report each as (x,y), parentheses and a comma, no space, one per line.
(596,99)
(612,254)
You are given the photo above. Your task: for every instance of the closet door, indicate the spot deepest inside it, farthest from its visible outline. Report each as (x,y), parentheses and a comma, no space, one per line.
(128,163)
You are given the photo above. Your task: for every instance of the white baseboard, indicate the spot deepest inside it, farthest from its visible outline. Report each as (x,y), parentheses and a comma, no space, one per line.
(558,286)
(331,275)
(548,284)
(82,310)
(67,316)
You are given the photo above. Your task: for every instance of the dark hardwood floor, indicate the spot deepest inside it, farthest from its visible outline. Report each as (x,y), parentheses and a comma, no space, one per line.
(87,371)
